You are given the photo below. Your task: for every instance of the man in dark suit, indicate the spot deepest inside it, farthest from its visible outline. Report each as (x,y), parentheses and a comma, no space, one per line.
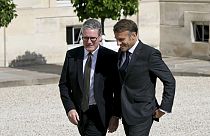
(139,67)
(88,85)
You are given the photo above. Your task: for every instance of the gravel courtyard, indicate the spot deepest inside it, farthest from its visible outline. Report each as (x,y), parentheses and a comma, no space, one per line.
(37,111)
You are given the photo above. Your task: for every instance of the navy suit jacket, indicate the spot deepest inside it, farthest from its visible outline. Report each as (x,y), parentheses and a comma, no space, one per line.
(138,89)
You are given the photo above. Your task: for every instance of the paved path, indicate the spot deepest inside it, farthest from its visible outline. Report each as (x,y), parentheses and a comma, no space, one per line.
(30,75)
(50,73)
(37,111)
(30,104)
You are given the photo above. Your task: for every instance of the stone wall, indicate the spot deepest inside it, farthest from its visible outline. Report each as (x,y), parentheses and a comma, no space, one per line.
(40,27)
(167,25)
(176,32)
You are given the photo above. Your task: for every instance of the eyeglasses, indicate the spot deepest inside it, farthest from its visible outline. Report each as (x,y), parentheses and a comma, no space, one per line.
(93,39)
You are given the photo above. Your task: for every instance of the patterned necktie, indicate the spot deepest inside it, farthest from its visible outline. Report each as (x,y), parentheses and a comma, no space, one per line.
(123,68)
(85,98)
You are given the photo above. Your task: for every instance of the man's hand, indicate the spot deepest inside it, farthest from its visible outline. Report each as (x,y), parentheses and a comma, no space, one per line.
(73,116)
(113,124)
(158,113)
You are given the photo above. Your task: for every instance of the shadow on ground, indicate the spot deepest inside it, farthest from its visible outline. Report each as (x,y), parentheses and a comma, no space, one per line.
(44,68)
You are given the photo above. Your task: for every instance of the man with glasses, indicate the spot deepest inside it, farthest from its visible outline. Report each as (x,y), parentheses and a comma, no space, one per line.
(93,39)
(89,86)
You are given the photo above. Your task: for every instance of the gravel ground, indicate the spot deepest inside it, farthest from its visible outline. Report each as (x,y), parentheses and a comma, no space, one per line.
(38,111)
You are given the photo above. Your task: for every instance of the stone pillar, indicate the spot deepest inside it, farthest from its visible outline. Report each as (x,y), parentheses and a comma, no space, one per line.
(149,22)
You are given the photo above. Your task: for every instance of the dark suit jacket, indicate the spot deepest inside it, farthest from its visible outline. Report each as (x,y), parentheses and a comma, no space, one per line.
(106,82)
(138,89)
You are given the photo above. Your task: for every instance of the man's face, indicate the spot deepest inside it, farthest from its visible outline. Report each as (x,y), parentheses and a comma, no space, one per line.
(125,40)
(91,39)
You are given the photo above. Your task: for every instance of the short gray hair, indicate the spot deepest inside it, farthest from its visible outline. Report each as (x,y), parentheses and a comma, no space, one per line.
(92,24)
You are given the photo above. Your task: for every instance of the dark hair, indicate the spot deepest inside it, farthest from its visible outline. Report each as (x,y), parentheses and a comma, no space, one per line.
(92,24)
(125,25)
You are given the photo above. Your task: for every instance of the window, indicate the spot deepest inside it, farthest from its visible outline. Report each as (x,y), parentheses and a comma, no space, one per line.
(73,35)
(63,3)
(201,31)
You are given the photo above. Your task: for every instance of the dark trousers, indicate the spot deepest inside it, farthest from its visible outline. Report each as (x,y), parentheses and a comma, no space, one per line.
(90,123)
(141,129)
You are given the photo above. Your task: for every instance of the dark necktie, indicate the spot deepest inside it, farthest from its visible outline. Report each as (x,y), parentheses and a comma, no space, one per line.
(85,98)
(124,66)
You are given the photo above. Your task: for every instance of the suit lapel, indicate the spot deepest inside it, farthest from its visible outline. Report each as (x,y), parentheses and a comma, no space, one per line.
(97,69)
(133,60)
(118,63)
(80,67)
(119,58)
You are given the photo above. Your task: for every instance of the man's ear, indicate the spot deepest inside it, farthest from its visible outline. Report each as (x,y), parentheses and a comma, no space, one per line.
(100,38)
(133,35)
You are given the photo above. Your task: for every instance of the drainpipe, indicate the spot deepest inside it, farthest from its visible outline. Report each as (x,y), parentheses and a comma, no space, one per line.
(5,51)
(138,17)
(49,4)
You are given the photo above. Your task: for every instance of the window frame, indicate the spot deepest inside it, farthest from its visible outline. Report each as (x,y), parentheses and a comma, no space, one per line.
(196,32)
(72,40)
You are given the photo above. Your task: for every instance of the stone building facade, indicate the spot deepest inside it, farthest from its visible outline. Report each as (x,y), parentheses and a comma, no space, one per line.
(50,27)
(176,27)
(42,27)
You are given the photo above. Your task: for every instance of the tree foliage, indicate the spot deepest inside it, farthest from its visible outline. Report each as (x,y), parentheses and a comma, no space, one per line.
(102,9)
(7,12)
